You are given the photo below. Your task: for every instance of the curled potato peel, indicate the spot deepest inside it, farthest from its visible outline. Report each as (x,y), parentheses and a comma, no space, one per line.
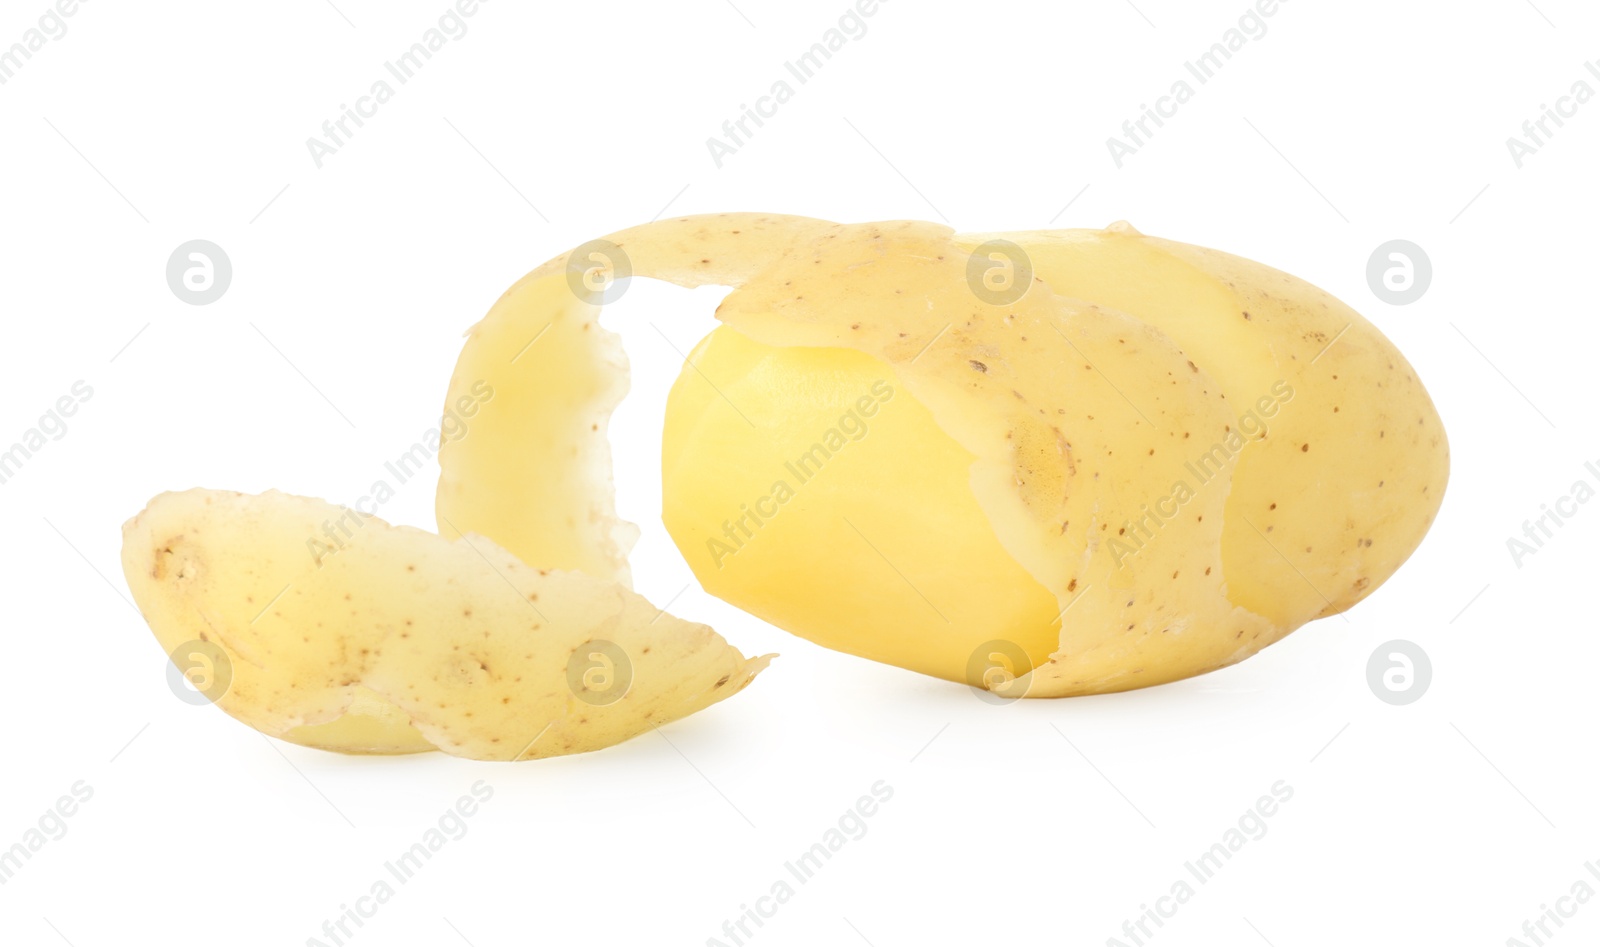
(360,652)
(536,474)
(403,641)
(1184,454)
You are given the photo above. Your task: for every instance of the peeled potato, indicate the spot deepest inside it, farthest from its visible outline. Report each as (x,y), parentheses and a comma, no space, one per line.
(399,640)
(1149,462)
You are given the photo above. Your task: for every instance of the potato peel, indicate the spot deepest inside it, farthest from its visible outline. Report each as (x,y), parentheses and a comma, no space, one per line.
(536,472)
(402,640)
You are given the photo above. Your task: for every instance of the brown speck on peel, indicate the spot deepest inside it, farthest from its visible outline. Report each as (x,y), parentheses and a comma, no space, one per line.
(978,366)
(1304,448)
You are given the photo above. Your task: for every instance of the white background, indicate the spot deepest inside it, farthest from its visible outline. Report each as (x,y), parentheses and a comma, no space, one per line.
(1449,821)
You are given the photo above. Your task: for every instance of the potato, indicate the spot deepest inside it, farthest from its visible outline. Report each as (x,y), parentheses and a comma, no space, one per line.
(398,640)
(1148,462)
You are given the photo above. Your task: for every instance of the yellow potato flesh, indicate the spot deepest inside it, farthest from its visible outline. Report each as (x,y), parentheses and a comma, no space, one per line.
(814,494)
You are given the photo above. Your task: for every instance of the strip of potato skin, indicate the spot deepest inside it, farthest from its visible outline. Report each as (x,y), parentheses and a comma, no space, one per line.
(536,473)
(706,249)
(1077,414)
(468,642)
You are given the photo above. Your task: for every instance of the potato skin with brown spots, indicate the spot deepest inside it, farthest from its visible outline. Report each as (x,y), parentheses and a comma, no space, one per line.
(400,641)
(1343,461)
(1358,463)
